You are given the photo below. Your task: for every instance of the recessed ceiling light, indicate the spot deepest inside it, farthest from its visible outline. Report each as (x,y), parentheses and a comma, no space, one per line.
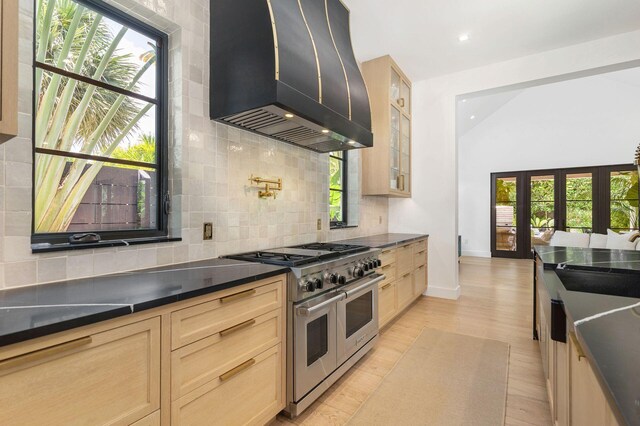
(464,100)
(351,142)
(288,115)
(463,37)
(473,117)
(325,131)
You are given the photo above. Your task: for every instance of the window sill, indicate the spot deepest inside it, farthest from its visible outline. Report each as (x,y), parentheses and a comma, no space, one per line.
(48,247)
(332,228)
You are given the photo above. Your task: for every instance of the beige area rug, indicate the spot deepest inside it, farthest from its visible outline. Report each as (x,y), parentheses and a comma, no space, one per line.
(443,379)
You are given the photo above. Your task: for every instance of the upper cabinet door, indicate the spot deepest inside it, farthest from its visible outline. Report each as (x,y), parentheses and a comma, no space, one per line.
(8,69)
(386,168)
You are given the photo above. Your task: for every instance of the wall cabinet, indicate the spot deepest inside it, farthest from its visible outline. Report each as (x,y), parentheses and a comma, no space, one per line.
(405,270)
(222,354)
(8,69)
(387,166)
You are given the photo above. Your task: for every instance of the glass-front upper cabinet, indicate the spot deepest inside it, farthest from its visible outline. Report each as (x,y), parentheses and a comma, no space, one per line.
(387,166)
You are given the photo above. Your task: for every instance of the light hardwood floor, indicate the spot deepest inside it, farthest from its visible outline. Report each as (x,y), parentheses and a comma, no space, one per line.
(496,303)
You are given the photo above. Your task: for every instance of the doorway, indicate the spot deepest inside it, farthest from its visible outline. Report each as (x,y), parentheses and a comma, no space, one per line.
(527,207)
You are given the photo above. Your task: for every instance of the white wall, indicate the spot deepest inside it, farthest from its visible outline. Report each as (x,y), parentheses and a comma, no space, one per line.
(584,122)
(434,205)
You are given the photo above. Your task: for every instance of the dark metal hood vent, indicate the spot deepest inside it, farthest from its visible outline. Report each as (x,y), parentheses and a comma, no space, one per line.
(286,69)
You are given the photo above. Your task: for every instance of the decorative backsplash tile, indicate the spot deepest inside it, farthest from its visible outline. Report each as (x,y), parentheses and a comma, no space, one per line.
(210,164)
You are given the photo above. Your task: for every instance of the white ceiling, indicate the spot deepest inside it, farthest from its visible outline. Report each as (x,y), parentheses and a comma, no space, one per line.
(422,35)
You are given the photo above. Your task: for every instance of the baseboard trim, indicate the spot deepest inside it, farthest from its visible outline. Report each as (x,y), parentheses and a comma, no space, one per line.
(443,292)
(476,253)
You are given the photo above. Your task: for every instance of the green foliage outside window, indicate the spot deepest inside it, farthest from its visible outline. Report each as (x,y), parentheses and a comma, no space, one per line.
(336,187)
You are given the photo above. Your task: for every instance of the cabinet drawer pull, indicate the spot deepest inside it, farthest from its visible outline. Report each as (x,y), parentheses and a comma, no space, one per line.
(401,102)
(387,266)
(421,267)
(386,286)
(421,252)
(237,327)
(406,275)
(237,296)
(237,370)
(576,344)
(44,353)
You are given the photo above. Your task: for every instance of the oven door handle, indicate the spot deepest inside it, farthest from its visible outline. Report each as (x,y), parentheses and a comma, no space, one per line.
(308,311)
(366,285)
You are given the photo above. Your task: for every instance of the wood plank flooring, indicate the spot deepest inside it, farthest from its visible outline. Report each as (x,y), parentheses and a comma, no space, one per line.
(496,303)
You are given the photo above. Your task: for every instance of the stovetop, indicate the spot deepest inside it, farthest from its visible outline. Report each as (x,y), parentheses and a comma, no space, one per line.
(300,255)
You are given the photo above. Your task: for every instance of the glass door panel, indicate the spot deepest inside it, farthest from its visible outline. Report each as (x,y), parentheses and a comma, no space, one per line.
(394,88)
(405,153)
(623,200)
(506,212)
(579,202)
(542,208)
(394,147)
(405,95)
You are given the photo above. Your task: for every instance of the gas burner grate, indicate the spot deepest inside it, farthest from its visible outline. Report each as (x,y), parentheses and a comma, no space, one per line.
(333,247)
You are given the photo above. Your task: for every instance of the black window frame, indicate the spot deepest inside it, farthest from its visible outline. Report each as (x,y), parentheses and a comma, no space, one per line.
(333,224)
(160,232)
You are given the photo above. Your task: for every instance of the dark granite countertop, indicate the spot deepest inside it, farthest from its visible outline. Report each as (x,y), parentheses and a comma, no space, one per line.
(383,240)
(29,312)
(606,260)
(612,339)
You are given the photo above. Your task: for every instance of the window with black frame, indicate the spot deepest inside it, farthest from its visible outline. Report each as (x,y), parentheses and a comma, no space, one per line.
(100,138)
(338,189)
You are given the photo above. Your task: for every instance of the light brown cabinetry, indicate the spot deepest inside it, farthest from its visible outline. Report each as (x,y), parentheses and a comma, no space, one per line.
(8,69)
(222,356)
(110,377)
(405,270)
(387,166)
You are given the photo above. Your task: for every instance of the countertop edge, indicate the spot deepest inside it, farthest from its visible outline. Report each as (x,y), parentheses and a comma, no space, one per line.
(120,311)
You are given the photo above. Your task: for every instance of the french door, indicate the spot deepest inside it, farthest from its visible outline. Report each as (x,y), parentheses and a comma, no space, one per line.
(528,206)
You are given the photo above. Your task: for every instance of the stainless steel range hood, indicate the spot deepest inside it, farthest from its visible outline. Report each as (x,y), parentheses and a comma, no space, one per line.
(286,69)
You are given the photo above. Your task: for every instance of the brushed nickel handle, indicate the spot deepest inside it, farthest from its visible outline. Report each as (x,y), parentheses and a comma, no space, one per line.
(237,296)
(406,275)
(422,251)
(237,370)
(387,266)
(421,267)
(237,327)
(386,286)
(44,353)
(387,251)
(576,344)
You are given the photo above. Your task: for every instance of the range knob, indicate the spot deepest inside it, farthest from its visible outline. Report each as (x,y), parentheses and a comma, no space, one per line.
(333,278)
(318,284)
(365,266)
(372,264)
(379,262)
(358,272)
(342,280)
(308,286)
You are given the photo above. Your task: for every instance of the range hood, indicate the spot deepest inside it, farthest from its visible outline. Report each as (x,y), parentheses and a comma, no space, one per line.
(286,69)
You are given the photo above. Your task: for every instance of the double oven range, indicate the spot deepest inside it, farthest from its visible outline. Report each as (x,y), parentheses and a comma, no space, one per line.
(332,313)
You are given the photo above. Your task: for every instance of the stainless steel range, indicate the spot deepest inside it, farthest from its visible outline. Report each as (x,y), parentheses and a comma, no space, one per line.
(332,318)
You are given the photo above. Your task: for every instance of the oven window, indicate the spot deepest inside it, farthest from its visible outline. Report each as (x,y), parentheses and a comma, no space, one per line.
(317,339)
(359,313)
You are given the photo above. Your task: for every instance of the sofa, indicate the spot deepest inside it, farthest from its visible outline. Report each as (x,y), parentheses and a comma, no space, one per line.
(610,240)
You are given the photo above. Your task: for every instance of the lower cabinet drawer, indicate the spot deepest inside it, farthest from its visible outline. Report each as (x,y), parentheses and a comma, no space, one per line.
(250,393)
(404,290)
(420,246)
(387,256)
(420,280)
(110,377)
(419,257)
(389,272)
(404,262)
(386,302)
(197,322)
(203,361)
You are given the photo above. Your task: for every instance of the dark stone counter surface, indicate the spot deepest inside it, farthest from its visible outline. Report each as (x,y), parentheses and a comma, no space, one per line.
(611,340)
(29,312)
(383,240)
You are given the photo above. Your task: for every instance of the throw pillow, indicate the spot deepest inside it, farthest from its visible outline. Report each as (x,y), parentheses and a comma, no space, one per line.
(619,241)
(598,241)
(569,239)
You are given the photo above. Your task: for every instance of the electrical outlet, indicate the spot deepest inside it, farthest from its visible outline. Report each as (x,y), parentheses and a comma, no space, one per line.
(380,220)
(207,231)
(319,225)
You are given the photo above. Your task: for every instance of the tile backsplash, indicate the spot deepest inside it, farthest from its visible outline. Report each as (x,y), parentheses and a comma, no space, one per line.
(210,165)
